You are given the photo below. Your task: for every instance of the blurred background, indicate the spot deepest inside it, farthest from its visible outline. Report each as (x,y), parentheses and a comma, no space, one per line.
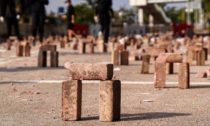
(130,17)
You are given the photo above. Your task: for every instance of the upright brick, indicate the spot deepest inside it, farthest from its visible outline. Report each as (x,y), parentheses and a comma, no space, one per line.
(71,100)
(160,75)
(124,57)
(200,57)
(90,48)
(42,59)
(145,64)
(184,76)
(115,57)
(54,59)
(20,50)
(62,44)
(190,55)
(110,101)
(28,50)
(82,47)
(102,47)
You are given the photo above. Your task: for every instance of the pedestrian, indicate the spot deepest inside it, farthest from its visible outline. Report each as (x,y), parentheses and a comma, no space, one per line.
(38,13)
(104,12)
(9,15)
(70,20)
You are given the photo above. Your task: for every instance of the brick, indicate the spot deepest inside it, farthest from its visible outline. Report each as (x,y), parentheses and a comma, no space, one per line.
(206,53)
(90,48)
(160,75)
(90,71)
(71,100)
(119,47)
(184,76)
(102,46)
(115,57)
(200,57)
(132,55)
(190,55)
(19,50)
(124,58)
(110,101)
(9,44)
(82,47)
(170,57)
(62,44)
(28,50)
(54,59)
(153,51)
(111,46)
(42,59)
(145,64)
(48,48)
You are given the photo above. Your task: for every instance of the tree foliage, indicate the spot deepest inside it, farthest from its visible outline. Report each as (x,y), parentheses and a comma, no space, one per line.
(92,3)
(176,15)
(206,6)
(84,13)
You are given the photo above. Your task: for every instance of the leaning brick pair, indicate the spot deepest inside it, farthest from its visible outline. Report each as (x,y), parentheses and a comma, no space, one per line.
(110,91)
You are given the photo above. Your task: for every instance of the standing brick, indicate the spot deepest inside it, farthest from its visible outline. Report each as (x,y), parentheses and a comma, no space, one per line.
(184,76)
(110,101)
(124,58)
(115,57)
(145,64)
(90,48)
(71,100)
(200,57)
(28,49)
(19,50)
(190,56)
(62,44)
(82,47)
(54,59)
(42,59)
(102,46)
(206,53)
(160,75)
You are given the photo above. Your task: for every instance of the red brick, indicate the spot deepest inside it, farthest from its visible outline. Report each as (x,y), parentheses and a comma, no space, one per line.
(90,71)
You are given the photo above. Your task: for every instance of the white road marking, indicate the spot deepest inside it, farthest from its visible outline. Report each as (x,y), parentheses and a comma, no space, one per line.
(15,58)
(97,82)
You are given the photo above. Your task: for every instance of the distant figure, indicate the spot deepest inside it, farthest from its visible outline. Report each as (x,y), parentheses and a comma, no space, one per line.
(8,14)
(104,12)
(70,19)
(38,13)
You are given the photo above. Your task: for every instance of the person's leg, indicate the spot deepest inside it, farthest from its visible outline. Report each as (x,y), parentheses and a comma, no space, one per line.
(70,31)
(34,24)
(41,27)
(9,26)
(16,27)
(106,32)
(106,28)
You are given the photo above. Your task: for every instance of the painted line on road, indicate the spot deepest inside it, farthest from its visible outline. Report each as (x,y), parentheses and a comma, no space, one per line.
(96,82)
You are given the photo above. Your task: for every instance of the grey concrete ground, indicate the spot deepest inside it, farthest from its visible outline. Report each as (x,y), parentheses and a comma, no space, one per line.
(32,104)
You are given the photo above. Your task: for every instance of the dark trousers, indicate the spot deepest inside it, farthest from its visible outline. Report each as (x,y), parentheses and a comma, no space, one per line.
(38,25)
(12,22)
(105,27)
